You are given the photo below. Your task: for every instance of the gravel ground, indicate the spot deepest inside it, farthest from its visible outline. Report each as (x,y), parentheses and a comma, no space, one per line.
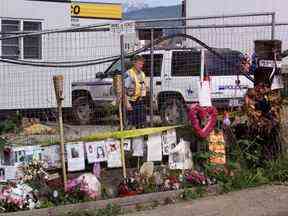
(262,201)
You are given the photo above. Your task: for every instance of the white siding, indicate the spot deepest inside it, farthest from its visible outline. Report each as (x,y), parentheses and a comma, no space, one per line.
(23,87)
(220,7)
(55,15)
(241,38)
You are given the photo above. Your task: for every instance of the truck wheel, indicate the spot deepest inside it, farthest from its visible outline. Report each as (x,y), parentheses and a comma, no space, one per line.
(173,111)
(83,110)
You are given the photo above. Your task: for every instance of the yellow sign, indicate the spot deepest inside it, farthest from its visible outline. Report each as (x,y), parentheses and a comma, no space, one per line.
(217,146)
(96,10)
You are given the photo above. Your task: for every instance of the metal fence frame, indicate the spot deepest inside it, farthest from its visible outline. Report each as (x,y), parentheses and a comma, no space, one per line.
(151,25)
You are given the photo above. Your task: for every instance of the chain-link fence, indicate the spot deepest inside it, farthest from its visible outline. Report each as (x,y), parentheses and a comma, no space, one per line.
(183,53)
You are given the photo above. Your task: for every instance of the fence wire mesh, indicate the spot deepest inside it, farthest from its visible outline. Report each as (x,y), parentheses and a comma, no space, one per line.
(89,58)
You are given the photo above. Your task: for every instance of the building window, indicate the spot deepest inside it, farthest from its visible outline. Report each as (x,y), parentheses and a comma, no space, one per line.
(32,45)
(10,47)
(29,47)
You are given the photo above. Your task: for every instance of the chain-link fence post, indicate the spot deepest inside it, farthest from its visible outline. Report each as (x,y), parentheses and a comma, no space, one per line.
(123,70)
(151,77)
(122,107)
(273,26)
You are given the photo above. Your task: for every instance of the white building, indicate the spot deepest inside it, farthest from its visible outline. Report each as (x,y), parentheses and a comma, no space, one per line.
(224,7)
(241,38)
(27,87)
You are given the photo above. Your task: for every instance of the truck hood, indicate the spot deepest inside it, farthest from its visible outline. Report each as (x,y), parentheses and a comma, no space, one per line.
(93,82)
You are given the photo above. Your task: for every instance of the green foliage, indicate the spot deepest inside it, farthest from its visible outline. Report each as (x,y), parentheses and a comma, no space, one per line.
(277,170)
(7,126)
(193,193)
(150,186)
(11,124)
(248,153)
(110,210)
(244,179)
(3,143)
(74,197)
(46,204)
(9,207)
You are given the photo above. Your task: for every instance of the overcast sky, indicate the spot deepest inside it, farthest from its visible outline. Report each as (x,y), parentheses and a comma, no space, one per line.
(152,3)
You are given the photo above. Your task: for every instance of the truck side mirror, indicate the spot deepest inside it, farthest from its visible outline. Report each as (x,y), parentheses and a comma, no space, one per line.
(100,75)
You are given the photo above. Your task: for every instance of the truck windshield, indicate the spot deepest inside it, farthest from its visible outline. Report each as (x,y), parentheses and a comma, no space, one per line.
(115,68)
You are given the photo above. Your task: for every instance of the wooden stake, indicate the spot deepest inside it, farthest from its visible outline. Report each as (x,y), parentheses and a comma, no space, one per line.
(58,87)
(118,87)
(122,143)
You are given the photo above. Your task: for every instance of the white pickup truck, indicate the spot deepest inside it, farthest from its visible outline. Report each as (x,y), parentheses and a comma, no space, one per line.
(177,73)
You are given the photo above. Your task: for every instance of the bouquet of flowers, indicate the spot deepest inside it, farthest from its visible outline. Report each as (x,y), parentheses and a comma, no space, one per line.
(16,197)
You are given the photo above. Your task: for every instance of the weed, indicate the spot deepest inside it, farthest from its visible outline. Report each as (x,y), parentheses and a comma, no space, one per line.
(193,193)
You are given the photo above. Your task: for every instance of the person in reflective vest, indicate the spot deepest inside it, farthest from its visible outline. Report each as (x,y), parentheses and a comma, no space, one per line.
(136,87)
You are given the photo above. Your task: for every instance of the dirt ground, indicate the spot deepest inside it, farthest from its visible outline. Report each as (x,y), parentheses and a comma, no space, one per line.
(262,201)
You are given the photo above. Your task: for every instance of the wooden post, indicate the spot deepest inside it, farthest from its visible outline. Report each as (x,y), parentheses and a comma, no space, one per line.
(58,87)
(118,84)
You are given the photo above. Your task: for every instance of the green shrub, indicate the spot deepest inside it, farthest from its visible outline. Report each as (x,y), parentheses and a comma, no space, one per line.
(277,170)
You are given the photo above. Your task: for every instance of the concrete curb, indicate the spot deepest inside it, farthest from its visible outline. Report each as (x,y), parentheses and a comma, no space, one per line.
(124,202)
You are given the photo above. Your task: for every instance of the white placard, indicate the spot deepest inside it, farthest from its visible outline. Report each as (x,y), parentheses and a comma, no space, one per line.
(277,83)
(96,151)
(7,173)
(181,157)
(10,173)
(138,147)
(75,156)
(127,145)
(33,153)
(169,140)
(19,155)
(154,148)
(26,154)
(114,153)
(204,94)
(51,156)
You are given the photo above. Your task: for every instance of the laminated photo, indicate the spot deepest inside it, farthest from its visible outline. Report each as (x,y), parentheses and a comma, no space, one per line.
(2,174)
(114,153)
(7,173)
(19,155)
(33,153)
(154,148)
(127,145)
(180,157)
(96,151)
(168,140)
(75,156)
(138,147)
(26,154)
(10,173)
(51,156)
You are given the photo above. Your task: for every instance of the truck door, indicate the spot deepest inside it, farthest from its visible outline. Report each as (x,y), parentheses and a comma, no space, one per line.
(224,75)
(185,74)
(157,81)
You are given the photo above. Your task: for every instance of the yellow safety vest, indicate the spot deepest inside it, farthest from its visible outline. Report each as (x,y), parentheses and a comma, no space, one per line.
(140,84)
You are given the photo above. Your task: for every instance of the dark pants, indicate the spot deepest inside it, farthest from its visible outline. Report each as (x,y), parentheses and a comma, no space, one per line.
(137,116)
